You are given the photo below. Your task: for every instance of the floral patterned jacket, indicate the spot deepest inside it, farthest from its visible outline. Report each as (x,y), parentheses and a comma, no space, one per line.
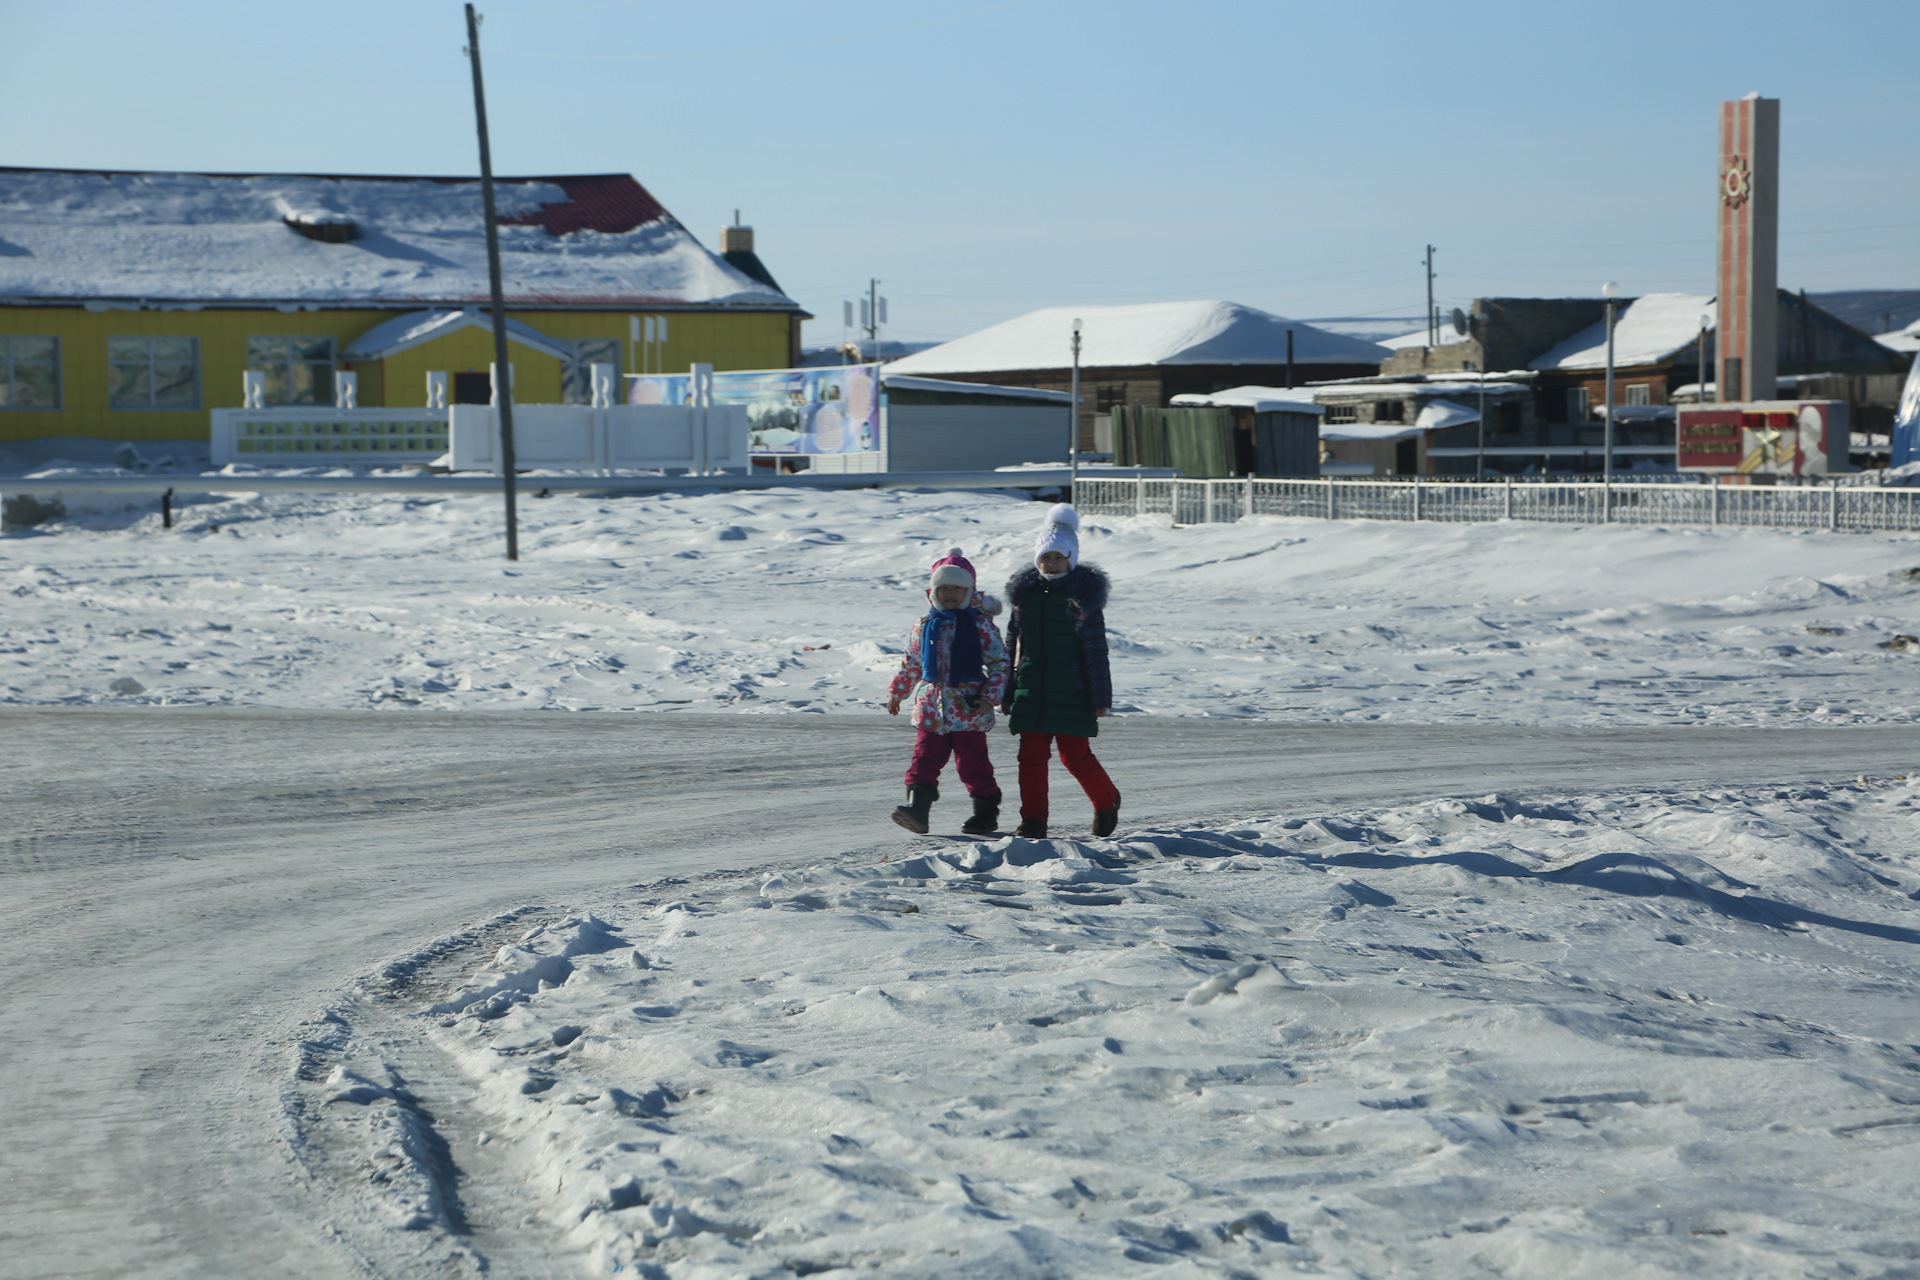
(943,708)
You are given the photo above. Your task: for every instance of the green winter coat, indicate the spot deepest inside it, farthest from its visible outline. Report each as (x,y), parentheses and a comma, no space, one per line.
(1058,641)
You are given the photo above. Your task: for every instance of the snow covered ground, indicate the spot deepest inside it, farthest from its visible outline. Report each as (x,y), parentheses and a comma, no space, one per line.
(785,602)
(1638,1035)
(1652,1031)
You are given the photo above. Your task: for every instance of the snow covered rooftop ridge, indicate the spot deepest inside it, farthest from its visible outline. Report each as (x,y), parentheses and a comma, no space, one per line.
(1153,333)
(1258,399)
(1645,331)
(581,240)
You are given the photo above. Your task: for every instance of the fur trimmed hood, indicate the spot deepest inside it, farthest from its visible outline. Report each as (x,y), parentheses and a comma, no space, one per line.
(1087,585)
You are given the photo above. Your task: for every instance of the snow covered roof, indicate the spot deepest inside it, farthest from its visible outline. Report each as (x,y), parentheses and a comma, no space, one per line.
(1327,393)
(1258,399)
(1645,331)
(902,382)
(1448,337)
(1154,333)
(593,240)
(416,327)
(1906,341)
(1368,430)
(1438,415)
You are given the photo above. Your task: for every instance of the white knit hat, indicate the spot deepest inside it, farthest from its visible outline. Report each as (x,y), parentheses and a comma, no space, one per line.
(1061,533)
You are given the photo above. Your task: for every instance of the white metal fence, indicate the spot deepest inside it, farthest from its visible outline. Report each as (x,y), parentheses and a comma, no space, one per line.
(1827,506)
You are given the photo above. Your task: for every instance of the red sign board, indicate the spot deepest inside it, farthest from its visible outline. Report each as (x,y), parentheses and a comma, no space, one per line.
(1769,438)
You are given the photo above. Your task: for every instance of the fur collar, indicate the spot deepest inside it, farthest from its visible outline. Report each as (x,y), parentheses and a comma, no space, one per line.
(1087,586)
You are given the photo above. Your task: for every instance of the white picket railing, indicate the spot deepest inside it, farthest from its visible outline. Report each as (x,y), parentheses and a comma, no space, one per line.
(1825,506)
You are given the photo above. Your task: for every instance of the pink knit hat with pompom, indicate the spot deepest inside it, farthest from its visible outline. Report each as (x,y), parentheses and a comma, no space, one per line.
(951,570)
(955,570)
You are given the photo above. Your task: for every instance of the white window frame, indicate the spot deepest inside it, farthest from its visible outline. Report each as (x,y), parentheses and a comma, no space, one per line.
(153,382)
(10,360)
(1343,413)
(1639,393)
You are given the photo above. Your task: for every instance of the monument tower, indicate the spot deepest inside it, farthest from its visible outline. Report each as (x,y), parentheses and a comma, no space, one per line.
(1749,277)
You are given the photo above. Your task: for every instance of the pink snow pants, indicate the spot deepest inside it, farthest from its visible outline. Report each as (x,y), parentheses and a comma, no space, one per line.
(969,752)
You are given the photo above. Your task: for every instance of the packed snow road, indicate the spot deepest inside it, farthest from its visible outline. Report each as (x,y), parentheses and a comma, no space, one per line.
(188,889)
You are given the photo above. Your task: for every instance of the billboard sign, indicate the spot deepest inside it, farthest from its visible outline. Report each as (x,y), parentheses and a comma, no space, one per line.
(789,411)
(1767,438)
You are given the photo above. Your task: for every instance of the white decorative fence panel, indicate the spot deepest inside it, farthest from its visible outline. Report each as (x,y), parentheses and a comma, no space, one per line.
(566,437)
(1827,506)
(307,436)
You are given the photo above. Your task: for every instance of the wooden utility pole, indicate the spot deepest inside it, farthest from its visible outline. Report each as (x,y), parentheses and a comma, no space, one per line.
(1433,317)
(502,369)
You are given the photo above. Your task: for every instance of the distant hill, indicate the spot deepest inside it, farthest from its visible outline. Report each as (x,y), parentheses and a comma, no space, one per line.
(824,355)
(1370,328)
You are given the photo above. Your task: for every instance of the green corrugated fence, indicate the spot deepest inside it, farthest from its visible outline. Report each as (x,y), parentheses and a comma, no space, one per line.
(1198,441)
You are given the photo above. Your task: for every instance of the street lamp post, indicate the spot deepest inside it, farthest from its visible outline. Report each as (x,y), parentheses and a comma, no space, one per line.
(1480,460)
(1073,414)
(1700,358)
(1609,291)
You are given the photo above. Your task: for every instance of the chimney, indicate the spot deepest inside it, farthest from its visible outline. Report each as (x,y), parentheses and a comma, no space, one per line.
(736,238)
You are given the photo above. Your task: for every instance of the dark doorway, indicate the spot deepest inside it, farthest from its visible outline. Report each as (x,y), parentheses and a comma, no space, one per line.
(1406,456)
(473,388)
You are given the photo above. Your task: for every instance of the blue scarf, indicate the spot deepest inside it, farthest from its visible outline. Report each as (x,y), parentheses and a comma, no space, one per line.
(964,665)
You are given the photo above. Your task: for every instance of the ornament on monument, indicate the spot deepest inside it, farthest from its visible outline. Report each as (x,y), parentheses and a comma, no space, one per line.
(1736,182)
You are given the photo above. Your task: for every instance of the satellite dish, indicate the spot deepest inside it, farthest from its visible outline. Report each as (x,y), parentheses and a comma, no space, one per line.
(1460,322)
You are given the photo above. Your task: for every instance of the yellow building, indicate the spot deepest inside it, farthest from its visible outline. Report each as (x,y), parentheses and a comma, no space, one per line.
(132,304)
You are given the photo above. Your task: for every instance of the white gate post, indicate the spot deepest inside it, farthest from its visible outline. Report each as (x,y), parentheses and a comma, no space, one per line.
(1416,499)
(1139,495)
(1509,514)
(346,391)
(602,376)
(1249,504)
(253,389)
(1715,520)
(702,388)
(1833,502)
(1329,483)
(436,391)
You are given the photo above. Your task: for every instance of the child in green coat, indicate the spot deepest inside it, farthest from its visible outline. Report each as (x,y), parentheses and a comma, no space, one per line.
(1062,687)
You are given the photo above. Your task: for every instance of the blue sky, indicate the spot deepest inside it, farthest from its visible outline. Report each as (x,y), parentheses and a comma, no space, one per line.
(984,159)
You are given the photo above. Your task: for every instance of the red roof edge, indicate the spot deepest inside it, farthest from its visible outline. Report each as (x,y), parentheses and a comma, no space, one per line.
(609,202)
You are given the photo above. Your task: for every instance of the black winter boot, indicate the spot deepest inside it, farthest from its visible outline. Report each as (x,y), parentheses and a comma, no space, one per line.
(1032,829)
(986,816)
(913,814)
(1105,820)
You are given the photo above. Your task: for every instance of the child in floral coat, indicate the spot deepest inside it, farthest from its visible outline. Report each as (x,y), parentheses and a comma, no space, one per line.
(955,655)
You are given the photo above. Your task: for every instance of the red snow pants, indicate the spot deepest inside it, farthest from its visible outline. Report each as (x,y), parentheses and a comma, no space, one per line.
(1077,754)
(968,748)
